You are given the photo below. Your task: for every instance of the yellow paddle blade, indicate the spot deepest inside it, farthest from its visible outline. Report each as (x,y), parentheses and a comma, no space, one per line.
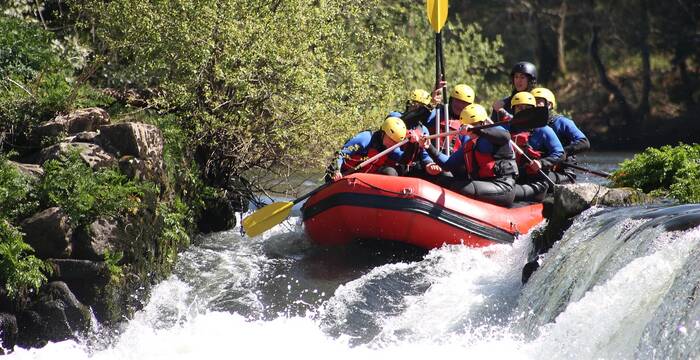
(265,218)
(437,13)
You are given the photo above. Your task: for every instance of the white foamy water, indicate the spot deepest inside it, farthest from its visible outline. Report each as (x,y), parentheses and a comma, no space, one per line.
(224,302)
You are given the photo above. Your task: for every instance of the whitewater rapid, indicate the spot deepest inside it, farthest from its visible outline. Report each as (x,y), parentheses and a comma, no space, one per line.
(279,296)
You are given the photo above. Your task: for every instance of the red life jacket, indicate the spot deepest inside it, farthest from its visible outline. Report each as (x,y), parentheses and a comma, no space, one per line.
(356,159)
(522,140)
(478,161)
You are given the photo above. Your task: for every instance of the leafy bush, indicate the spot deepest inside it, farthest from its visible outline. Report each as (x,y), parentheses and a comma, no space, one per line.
(175,236)
(34,80)
(268,88)
(20,272)
(16,200)
(86,195)
(672,171)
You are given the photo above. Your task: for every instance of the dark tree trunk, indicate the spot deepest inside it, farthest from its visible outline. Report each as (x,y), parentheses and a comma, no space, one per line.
(546,57)
(561,39)
(643,108)
(619,97)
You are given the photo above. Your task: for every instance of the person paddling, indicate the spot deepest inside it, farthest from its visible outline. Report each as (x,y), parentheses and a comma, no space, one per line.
(523,77)
(415,161)
(572,139)
(484,167)
(367,144)
(461,96)
(541,145)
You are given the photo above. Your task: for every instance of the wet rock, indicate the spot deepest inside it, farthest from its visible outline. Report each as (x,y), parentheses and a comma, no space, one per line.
(89,119)
(31,331)
(84,277)
(8,331)
(55,315)
(49,233)
(218,215)
(92,154)
(92,242)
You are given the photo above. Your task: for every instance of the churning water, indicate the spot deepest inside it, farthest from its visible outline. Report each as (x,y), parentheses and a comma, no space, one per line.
(622,284)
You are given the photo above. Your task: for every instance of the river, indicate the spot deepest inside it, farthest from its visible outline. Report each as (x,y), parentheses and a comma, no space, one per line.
(622,283)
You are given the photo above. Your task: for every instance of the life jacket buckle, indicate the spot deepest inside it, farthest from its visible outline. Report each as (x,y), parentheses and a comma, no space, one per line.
(406,191)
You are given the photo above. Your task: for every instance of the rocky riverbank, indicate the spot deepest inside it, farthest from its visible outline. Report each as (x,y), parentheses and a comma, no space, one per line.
(103,267)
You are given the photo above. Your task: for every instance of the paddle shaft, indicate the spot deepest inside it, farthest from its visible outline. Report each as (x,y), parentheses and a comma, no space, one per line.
(356,168)
(590,171)
(519,150)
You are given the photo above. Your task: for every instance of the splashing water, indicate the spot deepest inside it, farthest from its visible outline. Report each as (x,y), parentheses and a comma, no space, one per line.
(620,284)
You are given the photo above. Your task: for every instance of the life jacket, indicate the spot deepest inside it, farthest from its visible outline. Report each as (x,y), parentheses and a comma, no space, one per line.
(476,161)
(522,139)
(374,148)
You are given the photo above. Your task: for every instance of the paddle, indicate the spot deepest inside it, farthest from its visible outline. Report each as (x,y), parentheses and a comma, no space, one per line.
(525,119)
(437,16)
(265,218)
(590,171)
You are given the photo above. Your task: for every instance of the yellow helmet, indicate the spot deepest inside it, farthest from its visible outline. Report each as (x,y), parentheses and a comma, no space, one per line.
(420,96)
(473,113)
(523,98)
(546,94)
(463,92)
(394,128)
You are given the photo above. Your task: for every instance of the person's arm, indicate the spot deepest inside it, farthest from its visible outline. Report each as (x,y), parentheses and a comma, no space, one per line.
(451,163)
(555,151)
(576,139)
(353,146)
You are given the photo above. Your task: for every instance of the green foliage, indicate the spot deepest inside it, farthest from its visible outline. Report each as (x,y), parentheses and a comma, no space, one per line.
(20,272)
(270,85)
(112,260)
(86,195)
(174,236)
(16,200)
(25,50)
(470,58)
(672,171)
(34,79)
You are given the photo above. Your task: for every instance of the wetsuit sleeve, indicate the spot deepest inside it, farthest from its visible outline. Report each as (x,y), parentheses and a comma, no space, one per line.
(355,145)
(554,149)
(496,135)
(453,163)
(577,141)
(424,156)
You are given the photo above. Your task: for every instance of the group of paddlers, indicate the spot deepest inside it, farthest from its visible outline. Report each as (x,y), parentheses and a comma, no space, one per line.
(500,164)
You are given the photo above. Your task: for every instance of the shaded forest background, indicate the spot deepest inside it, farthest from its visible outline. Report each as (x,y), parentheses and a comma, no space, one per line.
(253,91)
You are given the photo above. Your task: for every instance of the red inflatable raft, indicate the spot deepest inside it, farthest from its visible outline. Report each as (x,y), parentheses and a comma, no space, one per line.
(410,210)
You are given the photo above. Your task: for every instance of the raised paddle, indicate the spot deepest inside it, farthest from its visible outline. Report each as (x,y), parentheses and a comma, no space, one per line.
(437,16)
(525,119)
(581,168)
(265,218)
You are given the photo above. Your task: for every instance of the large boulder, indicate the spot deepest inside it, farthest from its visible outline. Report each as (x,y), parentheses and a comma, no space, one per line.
(92,154)
(84,277)
(55,315)
(8,331)
(93,241)
(49,233)
(31,170)
(89,119)
(567,202)
(143,141)
(138,146)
